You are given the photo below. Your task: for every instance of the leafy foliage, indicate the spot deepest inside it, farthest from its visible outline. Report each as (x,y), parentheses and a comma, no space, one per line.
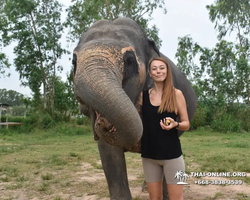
(215,75)
(230,15)
(83,13)
(234,16)
(226,122)
(65,101)
(221,77)
(11,97)
(200,116)
(18,111)
(36,27)
(4,63)
(219,80)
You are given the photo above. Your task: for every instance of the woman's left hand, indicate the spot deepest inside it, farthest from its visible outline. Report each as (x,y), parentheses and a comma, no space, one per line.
(168,120)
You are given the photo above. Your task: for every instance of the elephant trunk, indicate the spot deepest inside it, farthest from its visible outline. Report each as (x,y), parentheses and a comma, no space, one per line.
(98,84)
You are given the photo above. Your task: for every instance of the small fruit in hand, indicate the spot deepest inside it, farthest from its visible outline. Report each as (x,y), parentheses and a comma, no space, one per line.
(167,122)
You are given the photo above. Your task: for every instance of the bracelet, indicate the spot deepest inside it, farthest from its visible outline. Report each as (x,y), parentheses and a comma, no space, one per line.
(177,125)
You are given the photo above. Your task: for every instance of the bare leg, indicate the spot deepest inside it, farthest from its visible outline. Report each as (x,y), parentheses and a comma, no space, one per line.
(155,190)
(175,191)
(164,186)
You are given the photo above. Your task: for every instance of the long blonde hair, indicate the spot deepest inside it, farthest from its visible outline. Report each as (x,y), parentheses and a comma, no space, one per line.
(168,98)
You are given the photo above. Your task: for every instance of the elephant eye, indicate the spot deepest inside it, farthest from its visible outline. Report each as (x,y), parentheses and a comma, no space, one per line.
(130,64)
(74,62)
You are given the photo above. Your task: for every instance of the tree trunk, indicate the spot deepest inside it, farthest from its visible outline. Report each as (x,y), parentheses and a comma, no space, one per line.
(44,96)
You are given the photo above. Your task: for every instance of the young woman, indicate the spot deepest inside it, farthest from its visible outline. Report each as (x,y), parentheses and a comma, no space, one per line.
(161,148)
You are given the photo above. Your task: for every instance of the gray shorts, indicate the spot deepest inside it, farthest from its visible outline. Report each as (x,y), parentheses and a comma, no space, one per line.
(155,169)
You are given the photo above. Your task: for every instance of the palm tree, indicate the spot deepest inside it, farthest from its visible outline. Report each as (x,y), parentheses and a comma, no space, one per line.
(185,176)
(178,174)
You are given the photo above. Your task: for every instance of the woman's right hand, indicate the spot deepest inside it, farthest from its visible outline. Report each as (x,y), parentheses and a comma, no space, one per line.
(168,123)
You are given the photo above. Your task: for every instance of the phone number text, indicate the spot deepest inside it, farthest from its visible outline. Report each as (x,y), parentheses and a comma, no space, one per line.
(218,182)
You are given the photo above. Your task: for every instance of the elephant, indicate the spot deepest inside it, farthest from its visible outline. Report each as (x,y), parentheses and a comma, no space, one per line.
(110,71)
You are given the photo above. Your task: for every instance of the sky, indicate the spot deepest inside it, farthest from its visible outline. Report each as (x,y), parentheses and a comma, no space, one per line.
(183,18)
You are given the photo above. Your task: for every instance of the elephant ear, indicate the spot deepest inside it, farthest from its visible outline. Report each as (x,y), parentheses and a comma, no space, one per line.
(153,47)
(152,52)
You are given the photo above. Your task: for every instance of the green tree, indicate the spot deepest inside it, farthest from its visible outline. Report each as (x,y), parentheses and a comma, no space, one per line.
(11,97)
(213,72)
(234,16)
(74,104)
(189,60)
(4,63)
(187,51)
(222,73)
(37,28)
(65,101)
(83,13)
(18,111)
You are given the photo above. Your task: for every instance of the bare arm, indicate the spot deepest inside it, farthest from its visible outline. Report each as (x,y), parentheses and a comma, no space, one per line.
(182,112)
(139,105)
(140,99)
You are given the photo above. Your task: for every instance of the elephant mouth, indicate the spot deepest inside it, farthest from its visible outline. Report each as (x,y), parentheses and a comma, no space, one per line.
(104,129)
(103,125)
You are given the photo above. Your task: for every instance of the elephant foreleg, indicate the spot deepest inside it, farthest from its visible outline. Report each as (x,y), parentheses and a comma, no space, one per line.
(114,166)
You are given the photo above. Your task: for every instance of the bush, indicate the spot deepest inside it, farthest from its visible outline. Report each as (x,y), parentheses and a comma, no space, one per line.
(245,119)
(79,120)
(82,120)
(59,117)
(199,118)
(226,123)
(37,120)
(72,129)
(3,118)
(46,122)
(241,113)
(212,107)
(16,119)
(18,110)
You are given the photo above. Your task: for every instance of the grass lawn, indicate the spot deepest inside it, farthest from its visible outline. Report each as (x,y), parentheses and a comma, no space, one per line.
(63,162)
(217,152)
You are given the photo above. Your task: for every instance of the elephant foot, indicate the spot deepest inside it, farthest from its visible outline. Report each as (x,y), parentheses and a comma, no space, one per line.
(144,187)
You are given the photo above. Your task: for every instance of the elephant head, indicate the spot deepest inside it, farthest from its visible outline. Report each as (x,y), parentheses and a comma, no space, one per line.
(110,70)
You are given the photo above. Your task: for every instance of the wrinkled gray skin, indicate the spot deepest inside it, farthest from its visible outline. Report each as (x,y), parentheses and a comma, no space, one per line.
(110,70)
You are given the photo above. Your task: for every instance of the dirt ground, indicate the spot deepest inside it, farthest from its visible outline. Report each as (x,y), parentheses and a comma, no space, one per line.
(196,192)
(192,191)
(87,175)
